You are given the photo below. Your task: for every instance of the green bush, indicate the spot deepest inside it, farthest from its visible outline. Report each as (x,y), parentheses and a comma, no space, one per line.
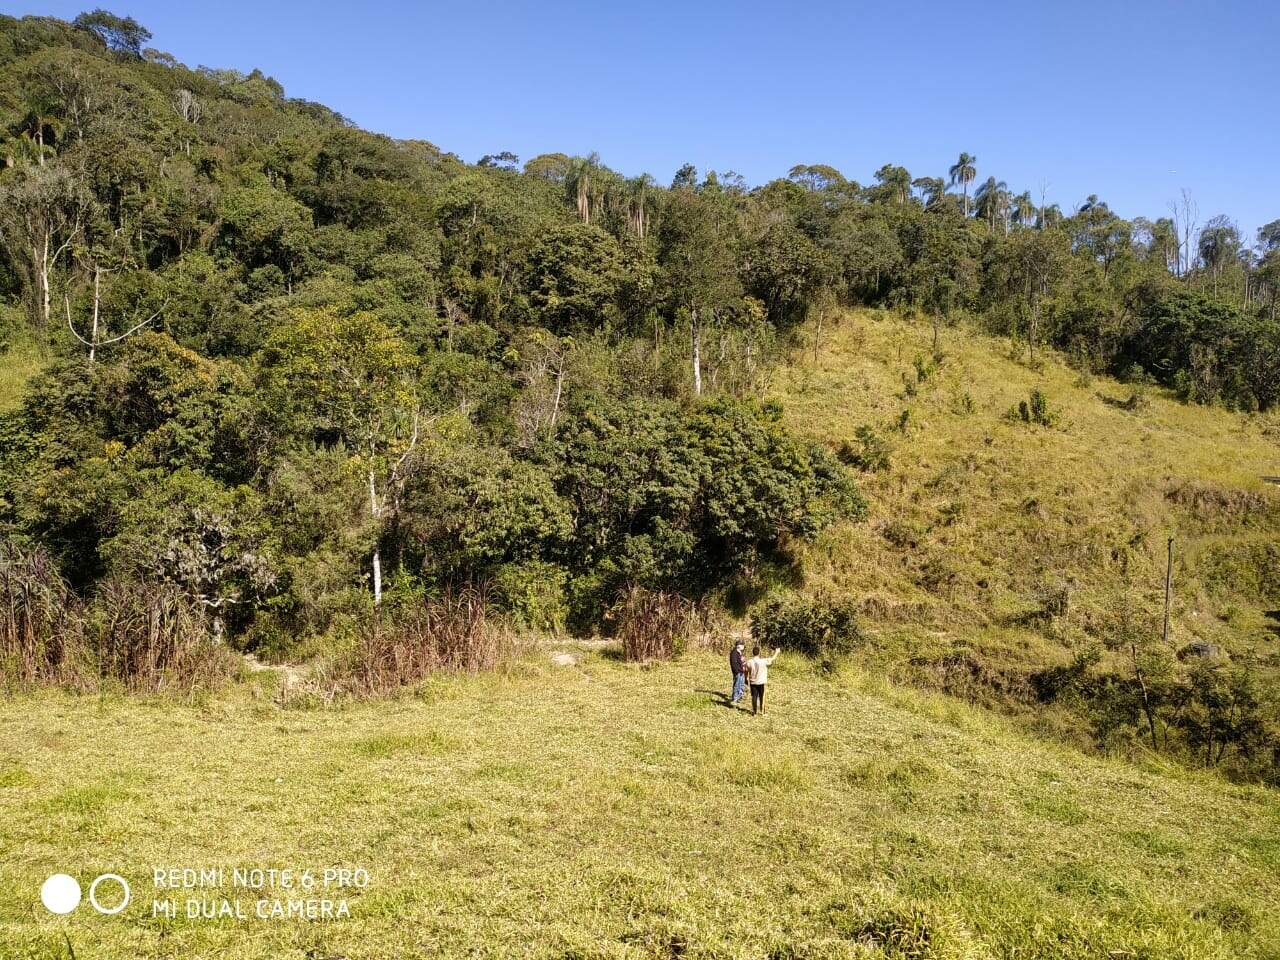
(533,593)
(10,325)
(1036,410)
(924,368)
(819,627)
(1205,349)
(1137,375)
(869,452)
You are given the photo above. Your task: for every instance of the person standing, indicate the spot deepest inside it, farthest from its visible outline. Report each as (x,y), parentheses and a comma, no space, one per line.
(758,675)
(739,670)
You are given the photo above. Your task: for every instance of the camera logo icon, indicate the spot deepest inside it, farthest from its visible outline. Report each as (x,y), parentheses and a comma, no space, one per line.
(61,893)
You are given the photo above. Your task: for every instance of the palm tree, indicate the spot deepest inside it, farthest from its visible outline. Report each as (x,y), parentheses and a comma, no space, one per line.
(638,189)
(1049,216)
(41,107)
(932,188)
(1024,209)
(896,182)
(580,184)
(993,201)
(963,172)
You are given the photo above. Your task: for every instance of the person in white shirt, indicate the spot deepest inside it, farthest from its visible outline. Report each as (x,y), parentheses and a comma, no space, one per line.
(758,676)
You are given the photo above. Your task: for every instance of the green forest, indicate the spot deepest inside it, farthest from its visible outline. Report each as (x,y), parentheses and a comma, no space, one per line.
(282,386)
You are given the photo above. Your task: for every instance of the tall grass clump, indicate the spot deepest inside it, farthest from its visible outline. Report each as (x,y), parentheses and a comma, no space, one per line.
(654,624)
(39,629)
(453,632)
(150,636)
(144,636)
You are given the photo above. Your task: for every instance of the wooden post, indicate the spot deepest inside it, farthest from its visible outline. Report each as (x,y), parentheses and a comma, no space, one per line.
(1168,591)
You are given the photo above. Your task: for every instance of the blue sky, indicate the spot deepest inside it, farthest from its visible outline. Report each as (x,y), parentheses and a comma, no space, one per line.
(1130,99)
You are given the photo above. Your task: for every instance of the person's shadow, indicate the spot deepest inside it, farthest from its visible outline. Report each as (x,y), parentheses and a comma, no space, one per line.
(721,699)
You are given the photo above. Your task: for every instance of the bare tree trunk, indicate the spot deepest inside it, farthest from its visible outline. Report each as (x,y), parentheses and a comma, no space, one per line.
(1146,697)
(1034,322)
(377,551)
(93,337)
(695,333)
(42,268)
(555,404)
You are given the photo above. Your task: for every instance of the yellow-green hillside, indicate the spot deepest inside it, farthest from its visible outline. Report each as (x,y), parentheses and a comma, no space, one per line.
(982,515)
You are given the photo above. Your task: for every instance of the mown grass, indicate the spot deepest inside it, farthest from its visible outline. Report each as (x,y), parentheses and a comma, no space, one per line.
(604,810)
(980,514)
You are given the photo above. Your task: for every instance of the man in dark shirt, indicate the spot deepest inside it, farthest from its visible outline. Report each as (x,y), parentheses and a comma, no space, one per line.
(739,671)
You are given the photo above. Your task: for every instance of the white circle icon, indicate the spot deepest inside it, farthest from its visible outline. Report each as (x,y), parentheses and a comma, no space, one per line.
(60,893)
(93,893)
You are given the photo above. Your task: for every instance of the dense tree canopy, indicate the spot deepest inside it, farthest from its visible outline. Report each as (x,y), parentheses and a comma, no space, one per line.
(292,358)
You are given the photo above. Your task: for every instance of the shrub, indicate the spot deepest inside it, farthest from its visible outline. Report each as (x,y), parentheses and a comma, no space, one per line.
(1185,387)
(406,645)
(1136,374)
(653,624)
(683,501)
(869,452)
(1036,410)
(533,593)
(818,627)
(924,369)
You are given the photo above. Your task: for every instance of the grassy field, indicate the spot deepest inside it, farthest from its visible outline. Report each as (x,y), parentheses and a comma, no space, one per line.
(981,515)
(605,810)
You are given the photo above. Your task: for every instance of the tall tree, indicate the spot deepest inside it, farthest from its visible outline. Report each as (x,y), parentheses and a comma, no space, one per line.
(963,172)
(895,183)
(992,200)
(583,184)
(698,267)
(121,34)
(43,211)
(353,376)
(640,192)
(931,188)
(1024,210)
(1218,246)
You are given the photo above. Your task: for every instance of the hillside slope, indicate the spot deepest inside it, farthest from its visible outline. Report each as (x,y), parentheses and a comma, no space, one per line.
(608,810)
(982,517)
